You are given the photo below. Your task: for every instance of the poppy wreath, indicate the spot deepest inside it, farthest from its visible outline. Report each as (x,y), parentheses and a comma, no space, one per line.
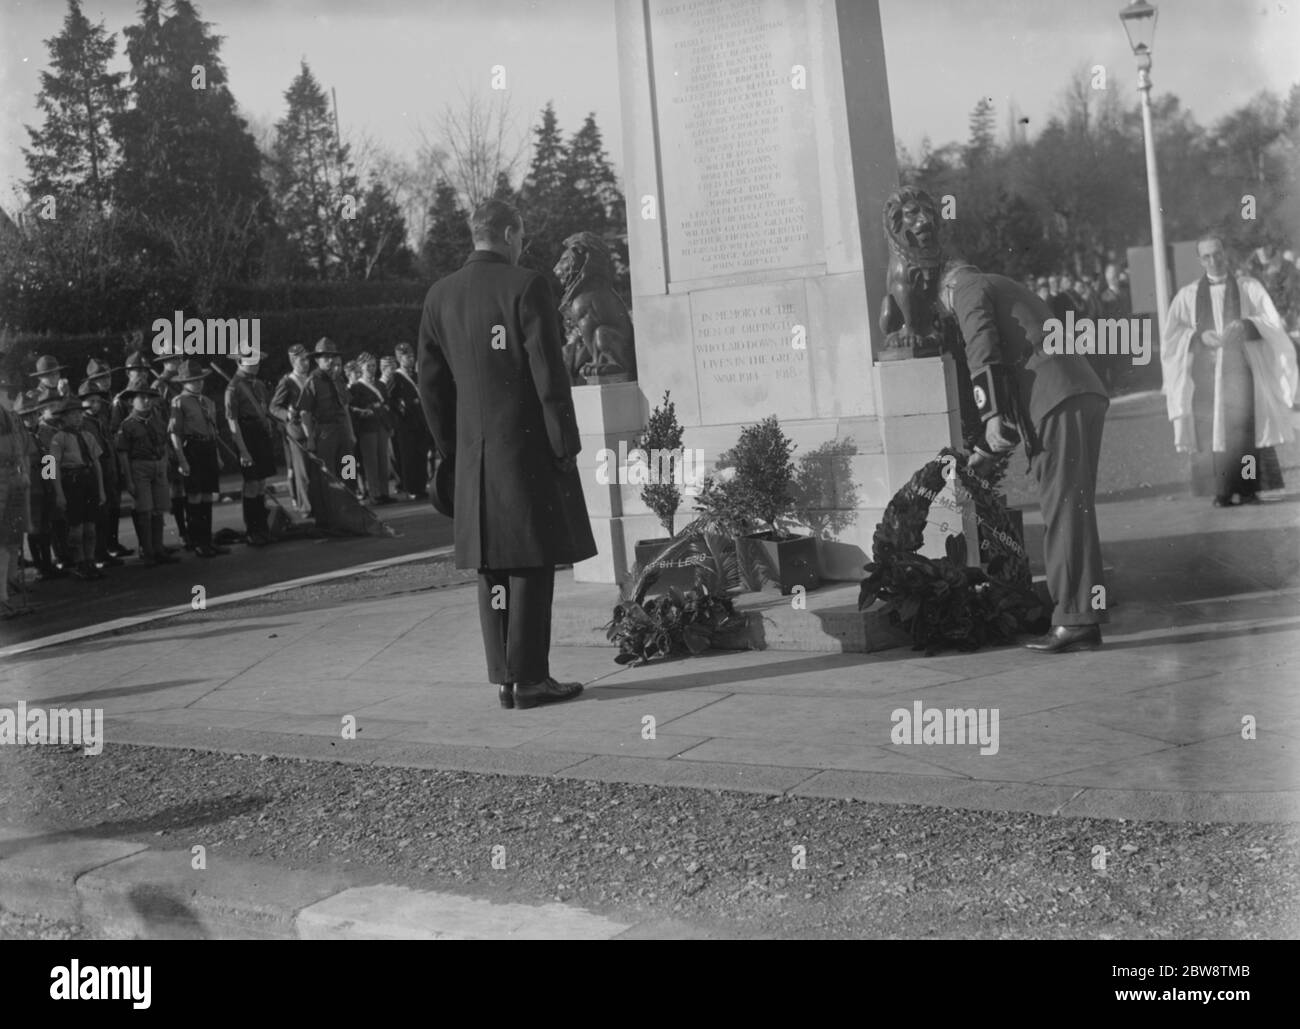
(941,602)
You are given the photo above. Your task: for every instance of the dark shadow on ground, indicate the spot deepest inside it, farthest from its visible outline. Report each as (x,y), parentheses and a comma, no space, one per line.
(165,915)
(109,694)
(182,816)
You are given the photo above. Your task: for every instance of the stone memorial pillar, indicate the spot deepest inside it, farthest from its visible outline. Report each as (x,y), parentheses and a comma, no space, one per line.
(759,150)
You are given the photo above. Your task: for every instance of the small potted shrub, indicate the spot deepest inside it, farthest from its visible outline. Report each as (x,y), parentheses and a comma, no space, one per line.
(761,497)
(662,433)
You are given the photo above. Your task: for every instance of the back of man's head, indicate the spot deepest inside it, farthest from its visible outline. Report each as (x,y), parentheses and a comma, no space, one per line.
(955,268)
(490,220)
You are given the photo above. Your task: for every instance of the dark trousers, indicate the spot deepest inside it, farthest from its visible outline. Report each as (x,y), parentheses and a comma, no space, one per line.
(412,445)
(514,609)
(1066,473)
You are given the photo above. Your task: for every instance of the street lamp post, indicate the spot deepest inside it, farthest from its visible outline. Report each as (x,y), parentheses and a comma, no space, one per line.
(1139,21)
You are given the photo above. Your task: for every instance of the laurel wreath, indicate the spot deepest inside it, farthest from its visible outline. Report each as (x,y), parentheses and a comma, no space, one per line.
(942,602)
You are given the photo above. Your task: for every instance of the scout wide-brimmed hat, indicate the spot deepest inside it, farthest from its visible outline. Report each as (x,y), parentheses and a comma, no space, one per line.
(325,348)
(96,369)
(135,361)
(47,365)
(27,404)
(442,490)
(191,371)
(87,389)
(66,405)
(147,391)
(297,350)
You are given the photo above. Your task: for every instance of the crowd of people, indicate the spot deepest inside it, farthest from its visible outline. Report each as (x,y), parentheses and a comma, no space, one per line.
(68,453)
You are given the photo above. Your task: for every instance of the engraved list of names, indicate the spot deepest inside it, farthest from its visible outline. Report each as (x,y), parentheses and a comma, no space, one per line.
(737,147)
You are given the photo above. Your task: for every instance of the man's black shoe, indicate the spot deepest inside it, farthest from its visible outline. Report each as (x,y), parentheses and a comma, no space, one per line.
(1222,502)
(506,694)
(1065,638)
(117,550)
(1248,498)
(531,694)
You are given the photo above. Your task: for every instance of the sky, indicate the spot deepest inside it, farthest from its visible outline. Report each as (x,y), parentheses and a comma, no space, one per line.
(395,64)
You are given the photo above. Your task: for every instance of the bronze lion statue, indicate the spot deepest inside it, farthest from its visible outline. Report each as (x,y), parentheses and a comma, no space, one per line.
(599,329)
(907,314)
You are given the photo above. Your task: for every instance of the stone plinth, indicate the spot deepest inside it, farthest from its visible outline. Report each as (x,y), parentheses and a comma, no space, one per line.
(607,415)
(759,151)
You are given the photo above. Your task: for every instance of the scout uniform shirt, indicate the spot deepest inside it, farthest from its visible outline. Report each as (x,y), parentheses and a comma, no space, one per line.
(325,398)
(288,393)
(142,437)
(247,401)
(193,414)
(74,450)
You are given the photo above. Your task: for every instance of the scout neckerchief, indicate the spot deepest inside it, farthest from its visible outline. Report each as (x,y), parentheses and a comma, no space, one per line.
(157,436)
(1205,308)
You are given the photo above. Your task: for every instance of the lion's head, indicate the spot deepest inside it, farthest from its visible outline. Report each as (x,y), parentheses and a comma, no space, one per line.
(911,220)
(586,262)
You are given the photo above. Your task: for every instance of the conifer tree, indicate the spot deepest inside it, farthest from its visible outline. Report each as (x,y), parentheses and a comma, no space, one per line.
(73,153)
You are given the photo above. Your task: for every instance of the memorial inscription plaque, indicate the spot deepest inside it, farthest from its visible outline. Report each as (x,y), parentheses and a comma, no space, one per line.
(737,131)
(747,362)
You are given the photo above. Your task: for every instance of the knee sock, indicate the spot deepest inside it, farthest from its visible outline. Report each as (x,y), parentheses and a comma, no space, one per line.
(194,519)
(178,512)
(156,532)
(88,540)
(101,537)
(251,524)
(205,516)
(143,532)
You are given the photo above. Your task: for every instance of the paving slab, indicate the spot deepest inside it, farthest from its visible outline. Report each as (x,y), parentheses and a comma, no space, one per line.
(940,791)
(1157,711)
(710,775)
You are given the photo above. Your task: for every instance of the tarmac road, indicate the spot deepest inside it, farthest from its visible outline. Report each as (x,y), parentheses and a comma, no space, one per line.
(67,604)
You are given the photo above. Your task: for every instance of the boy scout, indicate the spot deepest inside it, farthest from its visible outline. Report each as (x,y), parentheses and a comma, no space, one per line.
(78,486)
(142,456)
(193,432)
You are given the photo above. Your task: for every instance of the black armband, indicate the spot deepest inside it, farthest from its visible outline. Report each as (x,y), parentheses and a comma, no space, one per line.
(994,390)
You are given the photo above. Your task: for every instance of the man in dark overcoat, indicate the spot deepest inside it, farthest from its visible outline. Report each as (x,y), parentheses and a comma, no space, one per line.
(498,402)
(1056,405)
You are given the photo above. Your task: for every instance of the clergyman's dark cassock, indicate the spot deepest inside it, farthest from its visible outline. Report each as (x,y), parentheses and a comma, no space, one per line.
(411,441)
(498,401)
(1058,405)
